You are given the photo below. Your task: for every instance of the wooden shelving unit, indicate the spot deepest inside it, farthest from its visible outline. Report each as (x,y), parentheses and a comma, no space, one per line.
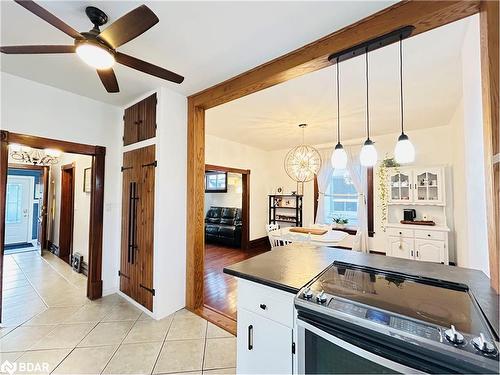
(285,209)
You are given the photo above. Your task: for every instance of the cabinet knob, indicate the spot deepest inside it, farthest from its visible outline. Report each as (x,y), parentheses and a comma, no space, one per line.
(400,233)
(263,306)
(428,235)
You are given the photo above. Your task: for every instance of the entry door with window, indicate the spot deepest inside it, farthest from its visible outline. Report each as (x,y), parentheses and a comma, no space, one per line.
(18,209)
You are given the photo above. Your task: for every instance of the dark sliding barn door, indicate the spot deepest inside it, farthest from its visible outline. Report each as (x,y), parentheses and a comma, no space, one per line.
(136,264)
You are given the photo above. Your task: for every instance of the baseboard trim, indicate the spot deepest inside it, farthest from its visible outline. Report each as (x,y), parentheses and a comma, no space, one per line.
(262,242)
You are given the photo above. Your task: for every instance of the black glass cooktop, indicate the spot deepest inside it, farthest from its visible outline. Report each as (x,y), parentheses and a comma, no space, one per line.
(433,301)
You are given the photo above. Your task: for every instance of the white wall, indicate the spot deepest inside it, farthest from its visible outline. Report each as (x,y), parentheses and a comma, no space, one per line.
(232,198)
(31,108)
(472,249)
(81,203)
(170,204)
(226,153)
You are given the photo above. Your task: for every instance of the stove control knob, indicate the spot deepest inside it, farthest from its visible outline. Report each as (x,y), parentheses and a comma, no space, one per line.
(308,294)
(483,345)
(453,336)
(321,297)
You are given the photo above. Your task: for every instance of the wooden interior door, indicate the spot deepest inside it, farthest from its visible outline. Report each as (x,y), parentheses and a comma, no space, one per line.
(147,118)
(136,261)
(131,125)
(66,214)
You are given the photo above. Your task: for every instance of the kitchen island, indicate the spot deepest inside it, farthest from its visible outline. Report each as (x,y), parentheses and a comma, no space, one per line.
(269,282)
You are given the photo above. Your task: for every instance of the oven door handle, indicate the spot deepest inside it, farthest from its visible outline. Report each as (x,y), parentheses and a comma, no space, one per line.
(349,347)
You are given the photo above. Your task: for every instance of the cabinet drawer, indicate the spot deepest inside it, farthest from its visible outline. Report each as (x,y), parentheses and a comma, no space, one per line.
(430,234)
(397,232)
(265,301)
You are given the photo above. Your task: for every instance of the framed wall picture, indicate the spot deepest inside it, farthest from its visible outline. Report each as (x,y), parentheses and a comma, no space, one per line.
(87,179)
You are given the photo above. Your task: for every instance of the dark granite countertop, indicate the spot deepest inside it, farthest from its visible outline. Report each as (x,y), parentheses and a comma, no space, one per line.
(292,267)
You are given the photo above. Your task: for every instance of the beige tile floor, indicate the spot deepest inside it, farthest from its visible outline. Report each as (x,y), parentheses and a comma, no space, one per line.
(48,321)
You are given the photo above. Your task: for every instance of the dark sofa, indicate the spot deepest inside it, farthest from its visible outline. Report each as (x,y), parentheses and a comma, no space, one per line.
(223,225)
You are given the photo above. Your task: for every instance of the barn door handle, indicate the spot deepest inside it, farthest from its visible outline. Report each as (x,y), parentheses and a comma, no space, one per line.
(250,337)
(129,234)
(132,222)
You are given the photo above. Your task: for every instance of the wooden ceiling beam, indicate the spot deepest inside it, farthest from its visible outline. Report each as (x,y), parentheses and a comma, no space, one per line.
(424,15)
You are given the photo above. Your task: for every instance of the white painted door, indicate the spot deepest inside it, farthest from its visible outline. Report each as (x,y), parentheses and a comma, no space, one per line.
(263,346)
(401,247)
(19,209)
(429,250)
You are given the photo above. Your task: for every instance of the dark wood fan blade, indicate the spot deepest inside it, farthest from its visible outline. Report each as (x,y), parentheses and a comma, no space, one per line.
(26,50)
(130,26)
(148,68)
(108,79)
(49,17)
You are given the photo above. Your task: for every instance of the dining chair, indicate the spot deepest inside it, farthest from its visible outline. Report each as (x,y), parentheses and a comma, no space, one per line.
(272,234)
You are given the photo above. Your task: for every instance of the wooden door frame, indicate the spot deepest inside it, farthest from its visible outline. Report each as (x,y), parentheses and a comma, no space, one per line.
(98,154)
(423,15)
(245,199)
(65,168)
(45,183)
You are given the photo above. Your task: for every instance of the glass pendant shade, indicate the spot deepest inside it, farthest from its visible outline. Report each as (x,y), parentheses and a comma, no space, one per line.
(339,157)
(368,156)
(404,151)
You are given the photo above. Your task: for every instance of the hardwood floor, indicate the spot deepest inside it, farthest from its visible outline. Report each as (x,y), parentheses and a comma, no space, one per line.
(220,292)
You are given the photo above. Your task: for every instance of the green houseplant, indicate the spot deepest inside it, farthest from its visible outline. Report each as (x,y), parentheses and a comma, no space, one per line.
(383,188)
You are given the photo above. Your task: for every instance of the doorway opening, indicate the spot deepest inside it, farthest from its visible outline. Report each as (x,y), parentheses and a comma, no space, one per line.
(227,234)
(51,219)
(26,205)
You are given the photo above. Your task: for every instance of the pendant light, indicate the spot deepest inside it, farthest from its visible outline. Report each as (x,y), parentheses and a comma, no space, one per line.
(339,156)
(368,156)
(404,152)
(302,162)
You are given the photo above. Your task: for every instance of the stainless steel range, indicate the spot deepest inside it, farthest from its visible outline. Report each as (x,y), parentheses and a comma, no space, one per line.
(356,319)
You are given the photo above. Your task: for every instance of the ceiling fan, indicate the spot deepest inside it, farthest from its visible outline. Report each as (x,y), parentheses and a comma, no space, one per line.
(96,48)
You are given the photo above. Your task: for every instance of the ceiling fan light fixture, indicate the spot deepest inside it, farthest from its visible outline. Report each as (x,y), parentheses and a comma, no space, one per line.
(95,55)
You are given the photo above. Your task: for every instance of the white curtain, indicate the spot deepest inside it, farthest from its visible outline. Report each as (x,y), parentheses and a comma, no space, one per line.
(324,175)
(358,176)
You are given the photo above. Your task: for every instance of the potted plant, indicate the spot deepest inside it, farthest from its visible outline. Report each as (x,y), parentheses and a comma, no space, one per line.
(340,222)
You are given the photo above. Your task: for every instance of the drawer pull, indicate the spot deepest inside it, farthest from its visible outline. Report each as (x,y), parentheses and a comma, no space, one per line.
(400,233)
(263,306)
(428,235)
(250,337)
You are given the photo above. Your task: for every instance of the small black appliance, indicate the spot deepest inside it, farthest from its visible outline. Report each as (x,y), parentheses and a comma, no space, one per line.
(409,214)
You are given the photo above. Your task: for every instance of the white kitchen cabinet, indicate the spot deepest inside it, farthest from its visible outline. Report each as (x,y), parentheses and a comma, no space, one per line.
(411,242)
(265,330)
(423,185)
(429,250)
(401,247)
(263,345)
(400,186)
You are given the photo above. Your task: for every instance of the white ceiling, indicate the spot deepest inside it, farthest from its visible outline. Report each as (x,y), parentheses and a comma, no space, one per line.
(207,42)
(432,83)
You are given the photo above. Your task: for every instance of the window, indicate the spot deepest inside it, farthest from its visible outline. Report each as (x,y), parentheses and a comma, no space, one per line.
(341,200)
(215,182)
(14,203)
